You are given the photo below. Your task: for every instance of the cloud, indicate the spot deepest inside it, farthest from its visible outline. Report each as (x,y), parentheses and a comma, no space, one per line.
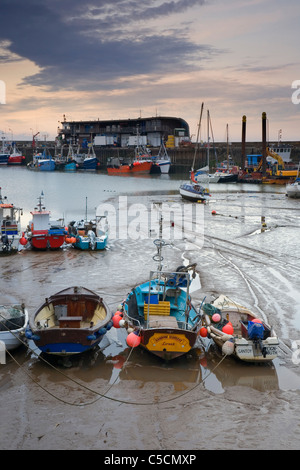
(77,45)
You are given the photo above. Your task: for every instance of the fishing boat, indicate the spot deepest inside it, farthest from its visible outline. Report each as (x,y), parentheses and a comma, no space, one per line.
(13,322)
(88,235)
(65,162)
(42,232)
(15,156)
(293,189)
(239,332)
(10,220)
(138,165)
(158,314)
(86,161)
(69,322)
(4,155)
(42,162)
(162,160)
(194,192)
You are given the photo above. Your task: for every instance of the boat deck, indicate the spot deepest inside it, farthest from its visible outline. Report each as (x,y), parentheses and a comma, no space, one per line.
(162,321)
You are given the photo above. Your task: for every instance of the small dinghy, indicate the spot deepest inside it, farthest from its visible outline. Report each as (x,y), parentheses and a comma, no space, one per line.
(13,322)
(239,332)
(70,322)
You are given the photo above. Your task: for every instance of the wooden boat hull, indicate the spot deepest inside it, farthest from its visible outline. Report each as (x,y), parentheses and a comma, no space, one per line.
(70,322)
(168,343)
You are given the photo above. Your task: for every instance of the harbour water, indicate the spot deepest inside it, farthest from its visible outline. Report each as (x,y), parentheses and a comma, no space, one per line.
(244,242)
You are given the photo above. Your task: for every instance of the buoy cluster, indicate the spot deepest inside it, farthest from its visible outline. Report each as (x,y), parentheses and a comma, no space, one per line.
(133,339)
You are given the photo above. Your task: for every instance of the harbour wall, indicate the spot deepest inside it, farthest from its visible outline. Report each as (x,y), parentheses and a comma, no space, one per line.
(181,157)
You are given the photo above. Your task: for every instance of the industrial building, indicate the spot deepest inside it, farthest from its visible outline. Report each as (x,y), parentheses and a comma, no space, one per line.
(125,133)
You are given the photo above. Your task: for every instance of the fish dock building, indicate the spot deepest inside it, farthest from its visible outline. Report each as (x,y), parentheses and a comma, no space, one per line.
(124,133)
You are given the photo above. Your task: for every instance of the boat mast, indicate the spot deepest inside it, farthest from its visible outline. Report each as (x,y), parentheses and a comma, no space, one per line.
(197,141)
(227,147)
(208,139)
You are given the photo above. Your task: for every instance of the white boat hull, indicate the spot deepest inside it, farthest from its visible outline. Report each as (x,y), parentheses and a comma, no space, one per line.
(193,195)
(238,343)
(293,190)
(13,339)
(164,166)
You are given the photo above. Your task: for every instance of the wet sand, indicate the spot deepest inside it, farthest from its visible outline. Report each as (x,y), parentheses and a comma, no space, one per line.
(118,399)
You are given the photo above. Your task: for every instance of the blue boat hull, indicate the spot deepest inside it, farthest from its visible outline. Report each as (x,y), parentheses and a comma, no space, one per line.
(84,243)
(90,164)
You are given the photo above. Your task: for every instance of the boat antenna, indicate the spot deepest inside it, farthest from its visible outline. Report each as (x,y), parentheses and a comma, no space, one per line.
(159,242)
(197,141)
(86,208)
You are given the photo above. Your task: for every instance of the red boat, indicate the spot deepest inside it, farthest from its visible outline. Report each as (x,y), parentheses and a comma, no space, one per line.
(43,233)
(16,157)
(138,166)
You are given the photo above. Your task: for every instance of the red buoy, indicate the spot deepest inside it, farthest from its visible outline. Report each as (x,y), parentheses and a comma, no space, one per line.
(203,332)
(133,340)
(228,328)
(116,319)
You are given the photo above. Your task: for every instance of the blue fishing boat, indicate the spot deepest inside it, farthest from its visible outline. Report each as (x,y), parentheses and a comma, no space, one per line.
(42,162)
(69,322)
(159,315)
(4,155)
(88,234)
(87,161)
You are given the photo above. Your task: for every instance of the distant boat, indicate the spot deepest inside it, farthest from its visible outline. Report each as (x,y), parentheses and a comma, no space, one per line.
(13,322)
(162,159)
(15,156)
(4,155)
(86,161)
(194,192)
(65,163)
(202,175)
(10,220)
(293,189)
(69,322)
(42,232)
(42,162)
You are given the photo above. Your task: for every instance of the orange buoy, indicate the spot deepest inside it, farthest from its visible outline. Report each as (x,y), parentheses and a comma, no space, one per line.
(133,340)
(228,328)
(256,320)
(203,332)
(213,212)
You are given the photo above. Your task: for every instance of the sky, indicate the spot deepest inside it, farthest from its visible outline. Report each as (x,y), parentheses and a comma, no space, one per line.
(125,59)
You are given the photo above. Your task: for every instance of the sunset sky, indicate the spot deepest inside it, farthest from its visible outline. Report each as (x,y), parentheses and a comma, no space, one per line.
(126,58)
